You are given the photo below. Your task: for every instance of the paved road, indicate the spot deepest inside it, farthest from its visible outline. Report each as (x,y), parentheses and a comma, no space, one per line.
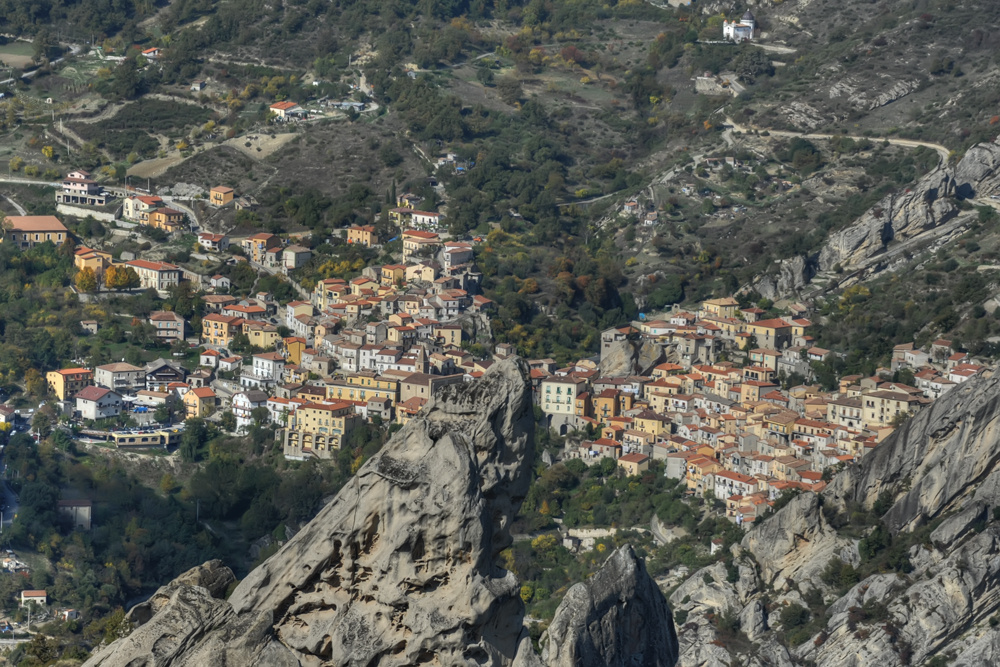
(28,181)
(14,642)
(663,534)
(654,528)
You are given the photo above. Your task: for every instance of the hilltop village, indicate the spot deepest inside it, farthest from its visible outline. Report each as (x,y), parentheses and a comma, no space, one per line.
(736,400)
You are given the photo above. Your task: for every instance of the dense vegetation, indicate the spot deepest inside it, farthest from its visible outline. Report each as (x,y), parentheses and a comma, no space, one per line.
(601,496)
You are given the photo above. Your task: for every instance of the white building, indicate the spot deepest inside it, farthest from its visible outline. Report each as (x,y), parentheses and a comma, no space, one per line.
(158,275)
(728,483)
(98,403)
(120,377)
(245,402)
(265,372)
(740,31)
(294,256)
(138,207)
(213,242)
(558,400)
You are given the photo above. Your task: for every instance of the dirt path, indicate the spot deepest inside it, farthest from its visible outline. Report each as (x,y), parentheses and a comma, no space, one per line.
(20,209)
(107,112)
(155,167)
(942,151)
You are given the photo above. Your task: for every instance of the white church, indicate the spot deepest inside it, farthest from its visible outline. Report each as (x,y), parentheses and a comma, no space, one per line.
(740,31)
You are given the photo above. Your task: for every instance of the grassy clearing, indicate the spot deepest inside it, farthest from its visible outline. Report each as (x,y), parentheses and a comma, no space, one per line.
(16,54)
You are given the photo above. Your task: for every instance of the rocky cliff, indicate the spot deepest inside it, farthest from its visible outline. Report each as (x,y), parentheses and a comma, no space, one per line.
(978,172)
(937,480)
(626,357)
(401,567)
(617,617)
(898,217)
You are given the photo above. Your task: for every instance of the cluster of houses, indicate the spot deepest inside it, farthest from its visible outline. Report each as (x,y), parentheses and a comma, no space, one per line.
(26,231)
(160,276)
(267,250)
(376,347)
(729,428)
(151,211)
(110,390)
(718,410)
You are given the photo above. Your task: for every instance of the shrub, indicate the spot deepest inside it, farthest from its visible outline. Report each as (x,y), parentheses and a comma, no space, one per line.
(793,616)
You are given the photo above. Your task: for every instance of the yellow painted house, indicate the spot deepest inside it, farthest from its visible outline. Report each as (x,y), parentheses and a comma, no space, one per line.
(219,329)
(66,382)
(651,422)
(726,307)
(317,429)
(199,402)
(261,335)
(294,347)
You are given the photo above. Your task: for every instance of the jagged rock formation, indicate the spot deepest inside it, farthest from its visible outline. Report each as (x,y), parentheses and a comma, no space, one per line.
(978,172)
(940,455)
(793,274)
(626,357)
(617,617)
(882,91)
(776,544)
(941,466)
(401,567)
(896,217)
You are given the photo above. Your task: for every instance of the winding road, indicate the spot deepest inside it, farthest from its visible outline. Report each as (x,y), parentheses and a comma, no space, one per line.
(727,136)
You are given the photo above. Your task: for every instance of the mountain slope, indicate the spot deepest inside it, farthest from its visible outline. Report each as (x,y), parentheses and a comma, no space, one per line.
(892,565)
(400,568)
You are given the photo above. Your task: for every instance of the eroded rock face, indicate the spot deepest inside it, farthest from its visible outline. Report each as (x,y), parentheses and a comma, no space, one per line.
(401,567)
(627,357)
(978,172)
(795,544)
(617,617)
(896,217)
(941,465)
(793,274)
(939,454)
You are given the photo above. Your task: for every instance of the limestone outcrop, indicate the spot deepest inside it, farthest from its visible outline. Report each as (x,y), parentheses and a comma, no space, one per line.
(793,274)
(931,464)
(626,357)
(617,617)
(978,172)
(941,466)
(401,567)
(795,544)
(897,217)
